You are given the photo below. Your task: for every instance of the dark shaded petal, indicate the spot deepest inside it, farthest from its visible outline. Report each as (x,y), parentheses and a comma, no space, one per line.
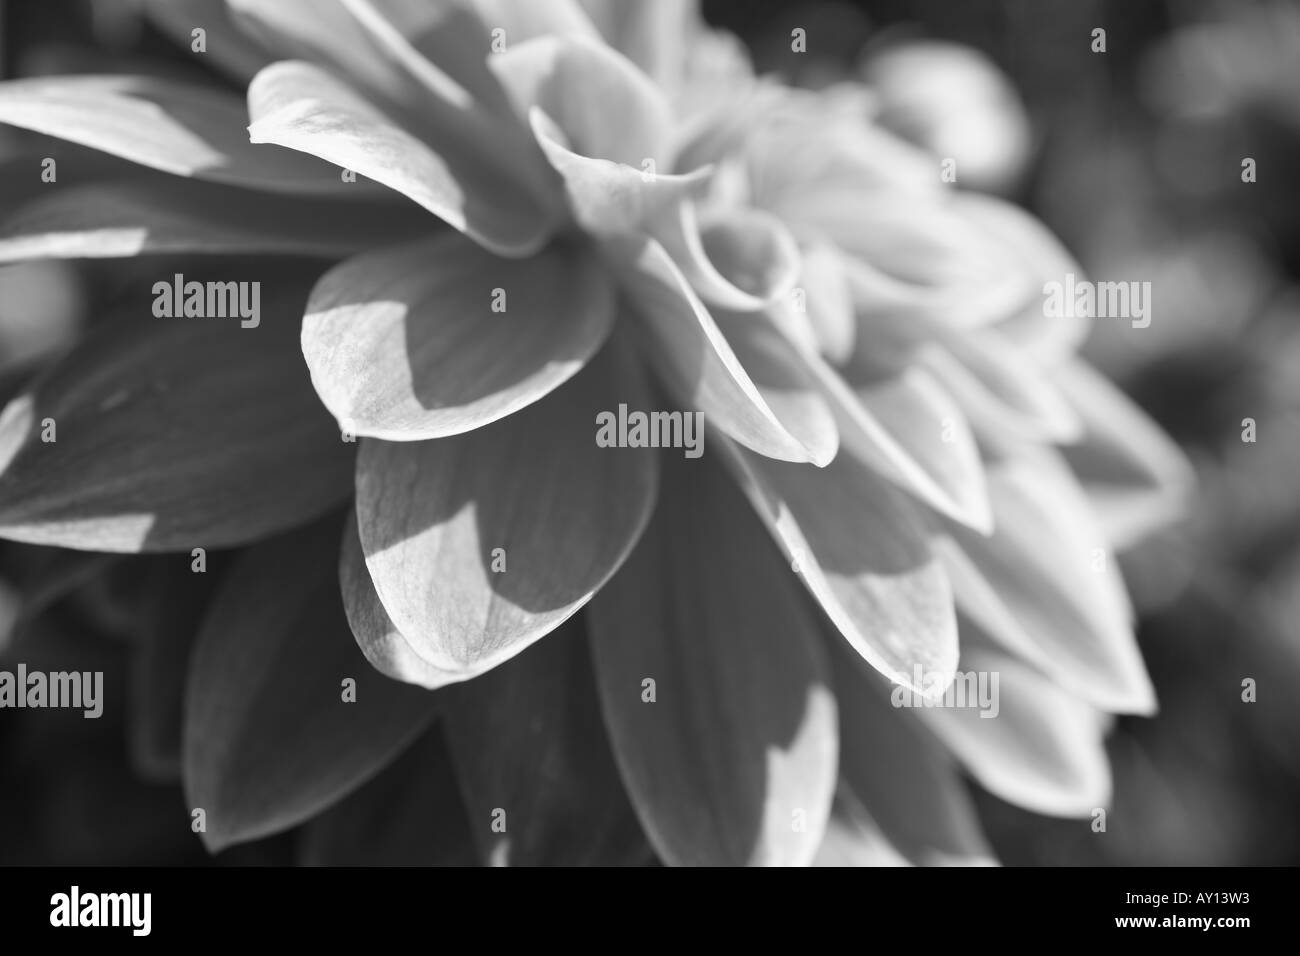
(409,814)
(157,216)
(534,763)
(170,434)
(859,546)
(169,125)
(733,761)
(270,736)
(901,774)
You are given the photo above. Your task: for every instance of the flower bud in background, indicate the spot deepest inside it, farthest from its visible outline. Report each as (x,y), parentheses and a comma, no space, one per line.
(953,101)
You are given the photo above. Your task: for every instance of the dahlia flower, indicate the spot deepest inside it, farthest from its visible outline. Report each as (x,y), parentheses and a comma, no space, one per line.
(481,227)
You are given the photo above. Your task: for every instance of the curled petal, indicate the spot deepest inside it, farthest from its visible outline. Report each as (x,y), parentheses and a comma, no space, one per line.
(611,199)
(604,106)
(693,356)
(739,260)
(603,126)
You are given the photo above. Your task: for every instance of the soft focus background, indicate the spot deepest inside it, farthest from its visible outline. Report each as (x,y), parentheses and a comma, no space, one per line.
(1133,156)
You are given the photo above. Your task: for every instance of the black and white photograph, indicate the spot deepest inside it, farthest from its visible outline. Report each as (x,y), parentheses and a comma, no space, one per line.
(651,433)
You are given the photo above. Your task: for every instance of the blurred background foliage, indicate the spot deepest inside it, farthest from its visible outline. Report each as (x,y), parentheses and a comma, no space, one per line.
(1133,156)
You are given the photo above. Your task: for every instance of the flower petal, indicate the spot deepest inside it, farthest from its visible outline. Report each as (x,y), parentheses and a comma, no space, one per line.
(177,601)
(693,356)
(610,199)
(382,644)
(741,260)
(900,773)
(429,98)
(1049,564)
(534,763)
(653,36)
(853,839)
(171,434)
(604,106)
(1047,339)
(906,428)
(524,20)
(1003,394)
(732,761)
(437,337)
(409,814)
(928,246)
(860,548)
(461,37)
(272,734)
(234,53)
(1123,459)
(1043,751)
(602,125)
(828,300)
(122,219)
(785,386)
(168,125)
(302,107)
(804,147)
(479,544)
